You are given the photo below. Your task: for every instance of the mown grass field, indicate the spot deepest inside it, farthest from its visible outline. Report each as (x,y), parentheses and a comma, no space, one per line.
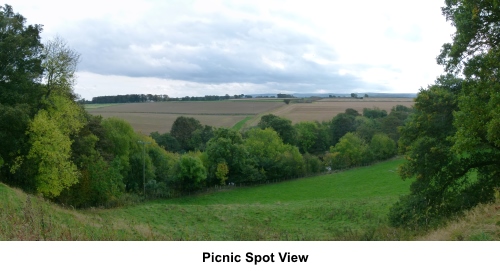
(242,113)
(349,205)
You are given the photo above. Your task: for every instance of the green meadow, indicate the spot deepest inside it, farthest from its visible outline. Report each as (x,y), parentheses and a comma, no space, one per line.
(348,205)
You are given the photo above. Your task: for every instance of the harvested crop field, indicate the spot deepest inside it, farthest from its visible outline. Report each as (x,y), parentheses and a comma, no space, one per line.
(326,109)
(150,117)
(193,108)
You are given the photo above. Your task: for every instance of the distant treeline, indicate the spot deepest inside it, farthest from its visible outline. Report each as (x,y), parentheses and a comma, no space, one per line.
(141,98)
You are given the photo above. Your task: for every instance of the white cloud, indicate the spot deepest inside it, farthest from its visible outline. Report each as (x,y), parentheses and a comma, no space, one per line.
(247,46)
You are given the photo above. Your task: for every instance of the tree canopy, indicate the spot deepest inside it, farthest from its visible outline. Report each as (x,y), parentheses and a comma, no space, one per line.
(452,143)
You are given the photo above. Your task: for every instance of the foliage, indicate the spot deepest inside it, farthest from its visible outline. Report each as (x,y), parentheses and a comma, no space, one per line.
(166,141)
(190,173)
(183,129)
(20,59)
(382,147)
(50,153)
(340,125)
(200,137)
(20,89)
(349,151)
(275,159)
(306,135)
(227,147)
(221,173)
(59,65)
(374,113)
(452,141)
(282,126)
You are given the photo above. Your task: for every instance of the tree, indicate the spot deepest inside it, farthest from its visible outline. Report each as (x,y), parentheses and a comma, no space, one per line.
(20,89)
(60,63)
(227,147)
(20,59)
(190,173)
(427,148)
(374,113)
(306,135)
(451,144)
(382,146)
(281,125)
(183,129)
(350,151)
(166,141)
(340,125)
(50,155)
(221,172)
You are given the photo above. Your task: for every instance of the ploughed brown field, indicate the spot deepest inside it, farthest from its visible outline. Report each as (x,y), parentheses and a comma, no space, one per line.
(150,117)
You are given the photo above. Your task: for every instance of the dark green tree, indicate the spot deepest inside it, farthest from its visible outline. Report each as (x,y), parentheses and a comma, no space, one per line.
(183,129)
(20,89)
(282,126)
(166,141)
(450,144)
(340,125)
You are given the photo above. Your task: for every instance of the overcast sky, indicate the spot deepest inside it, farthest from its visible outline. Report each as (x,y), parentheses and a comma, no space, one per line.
(197,48)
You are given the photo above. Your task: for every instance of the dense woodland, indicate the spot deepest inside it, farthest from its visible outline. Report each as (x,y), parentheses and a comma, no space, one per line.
(50,145)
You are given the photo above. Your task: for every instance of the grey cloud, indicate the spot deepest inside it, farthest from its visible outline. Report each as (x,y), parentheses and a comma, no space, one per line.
(211,51)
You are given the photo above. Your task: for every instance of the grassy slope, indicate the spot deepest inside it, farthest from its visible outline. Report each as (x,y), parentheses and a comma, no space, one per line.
(349,205)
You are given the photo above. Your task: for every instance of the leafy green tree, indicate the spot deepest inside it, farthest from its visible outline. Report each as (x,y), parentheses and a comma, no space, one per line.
(227,147)
(472,144)
(200,137)
(50,154)
(183,129)
(349,151)
(382,147)
(307,135)
(20,90)
(20,59)
(281,125)
(60,63)
(274,158)
(340,125)
(451,144)
(221,172)
(166,141)
(374,113)
(427,148)
(190,173)
(366,128)
(352,112)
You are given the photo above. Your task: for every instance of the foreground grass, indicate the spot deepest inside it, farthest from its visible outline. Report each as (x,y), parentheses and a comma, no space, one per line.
(349,205)
(481,223)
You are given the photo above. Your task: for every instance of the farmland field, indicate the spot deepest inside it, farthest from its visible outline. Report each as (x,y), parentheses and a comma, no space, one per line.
(150,117)
(326,109)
